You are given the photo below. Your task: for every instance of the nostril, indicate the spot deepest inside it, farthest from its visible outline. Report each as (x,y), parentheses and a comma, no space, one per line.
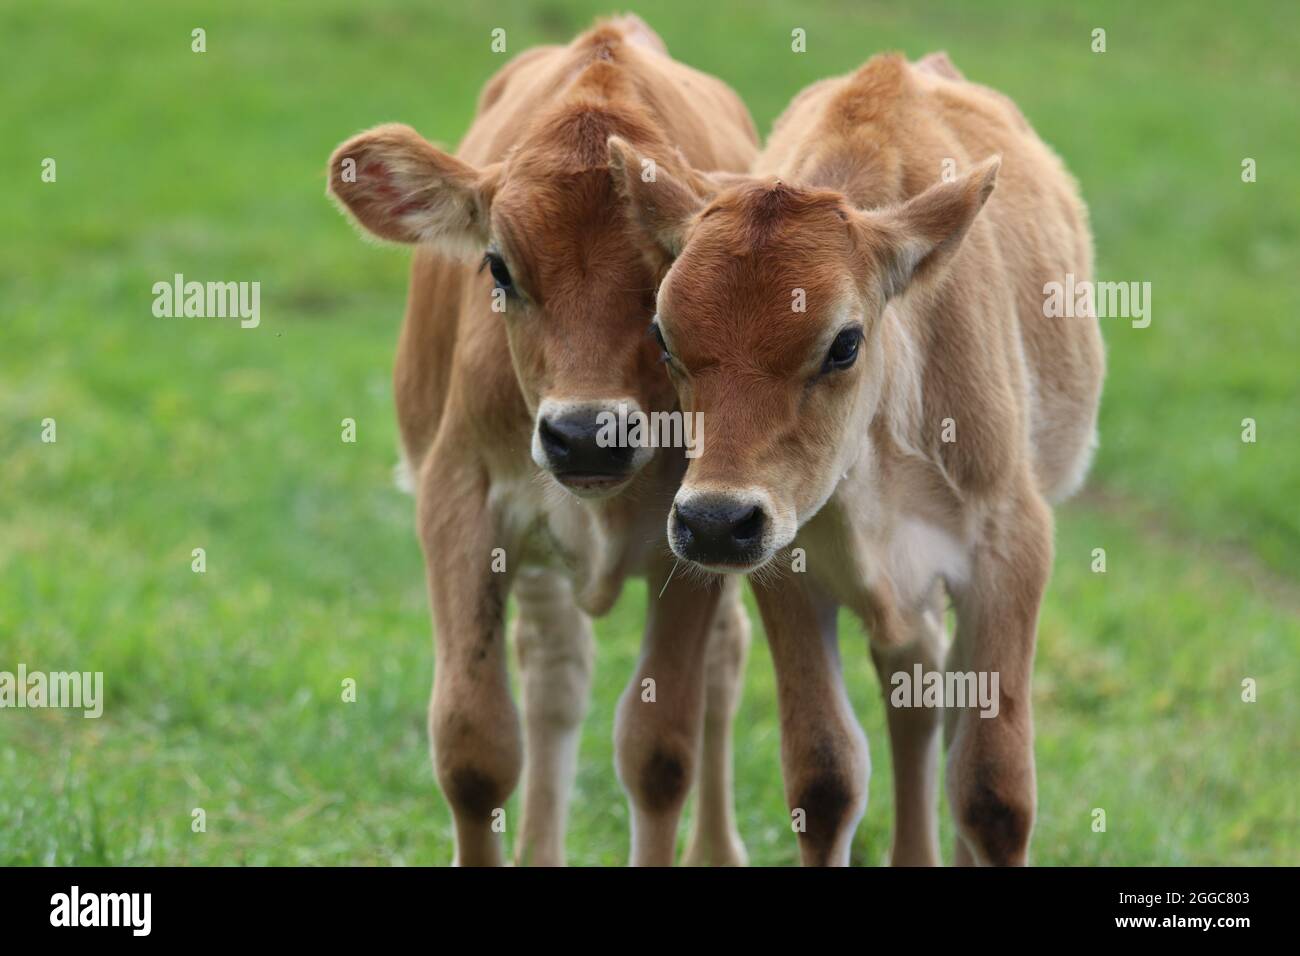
(684,520)
(719,530)
(553,442)
(749,527)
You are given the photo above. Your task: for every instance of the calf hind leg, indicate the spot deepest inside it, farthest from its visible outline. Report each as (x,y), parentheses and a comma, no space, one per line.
(914,736)
(553,640)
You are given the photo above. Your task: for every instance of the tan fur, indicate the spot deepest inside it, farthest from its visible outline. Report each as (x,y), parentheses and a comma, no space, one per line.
(946,280)
(532,180)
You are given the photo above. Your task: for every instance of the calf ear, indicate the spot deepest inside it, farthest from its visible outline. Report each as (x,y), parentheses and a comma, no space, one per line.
(914,241)
(402,188)
(663,202)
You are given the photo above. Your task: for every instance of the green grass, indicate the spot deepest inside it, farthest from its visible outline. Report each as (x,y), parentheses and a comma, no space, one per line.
(224,688)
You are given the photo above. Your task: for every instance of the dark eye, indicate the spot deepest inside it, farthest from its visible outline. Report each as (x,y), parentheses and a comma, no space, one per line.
(659,337)
(500,274)
(844,350)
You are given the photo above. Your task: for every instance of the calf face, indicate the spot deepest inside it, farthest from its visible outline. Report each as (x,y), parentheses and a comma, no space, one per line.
(772,323)
(561,265)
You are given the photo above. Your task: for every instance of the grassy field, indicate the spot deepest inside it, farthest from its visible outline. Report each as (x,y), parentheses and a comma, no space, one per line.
(223,688)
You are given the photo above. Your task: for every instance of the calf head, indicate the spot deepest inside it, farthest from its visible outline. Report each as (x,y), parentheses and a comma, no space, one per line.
(560,263)
(770,320)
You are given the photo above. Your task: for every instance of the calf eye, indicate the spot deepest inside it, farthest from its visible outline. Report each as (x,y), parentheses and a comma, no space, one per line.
(844,350)
(659,337)
(500,274)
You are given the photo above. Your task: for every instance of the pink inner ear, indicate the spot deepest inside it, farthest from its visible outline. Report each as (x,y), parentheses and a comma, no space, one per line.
(383,190)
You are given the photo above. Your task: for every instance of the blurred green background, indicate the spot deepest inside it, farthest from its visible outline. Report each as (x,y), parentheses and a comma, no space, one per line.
(223,689)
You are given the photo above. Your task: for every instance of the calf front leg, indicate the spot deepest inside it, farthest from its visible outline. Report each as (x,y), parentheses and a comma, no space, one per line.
(658,725)
(714,839)
(991,787)
(473,725)
(823,749)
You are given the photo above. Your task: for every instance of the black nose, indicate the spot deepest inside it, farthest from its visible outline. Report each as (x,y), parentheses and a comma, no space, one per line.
(719,530)
(573,448)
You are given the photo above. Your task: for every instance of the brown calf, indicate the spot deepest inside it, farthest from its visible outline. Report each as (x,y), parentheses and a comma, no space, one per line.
(882,390)
(531,293)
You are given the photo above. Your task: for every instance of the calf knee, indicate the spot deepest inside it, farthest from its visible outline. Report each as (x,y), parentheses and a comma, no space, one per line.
(995,822)
(830,790)
(655,764)
(473,792)
(829,802)
(662,780)
(555,672)
(477,762)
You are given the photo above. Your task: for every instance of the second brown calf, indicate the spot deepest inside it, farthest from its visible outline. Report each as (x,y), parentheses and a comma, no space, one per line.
(889,415)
